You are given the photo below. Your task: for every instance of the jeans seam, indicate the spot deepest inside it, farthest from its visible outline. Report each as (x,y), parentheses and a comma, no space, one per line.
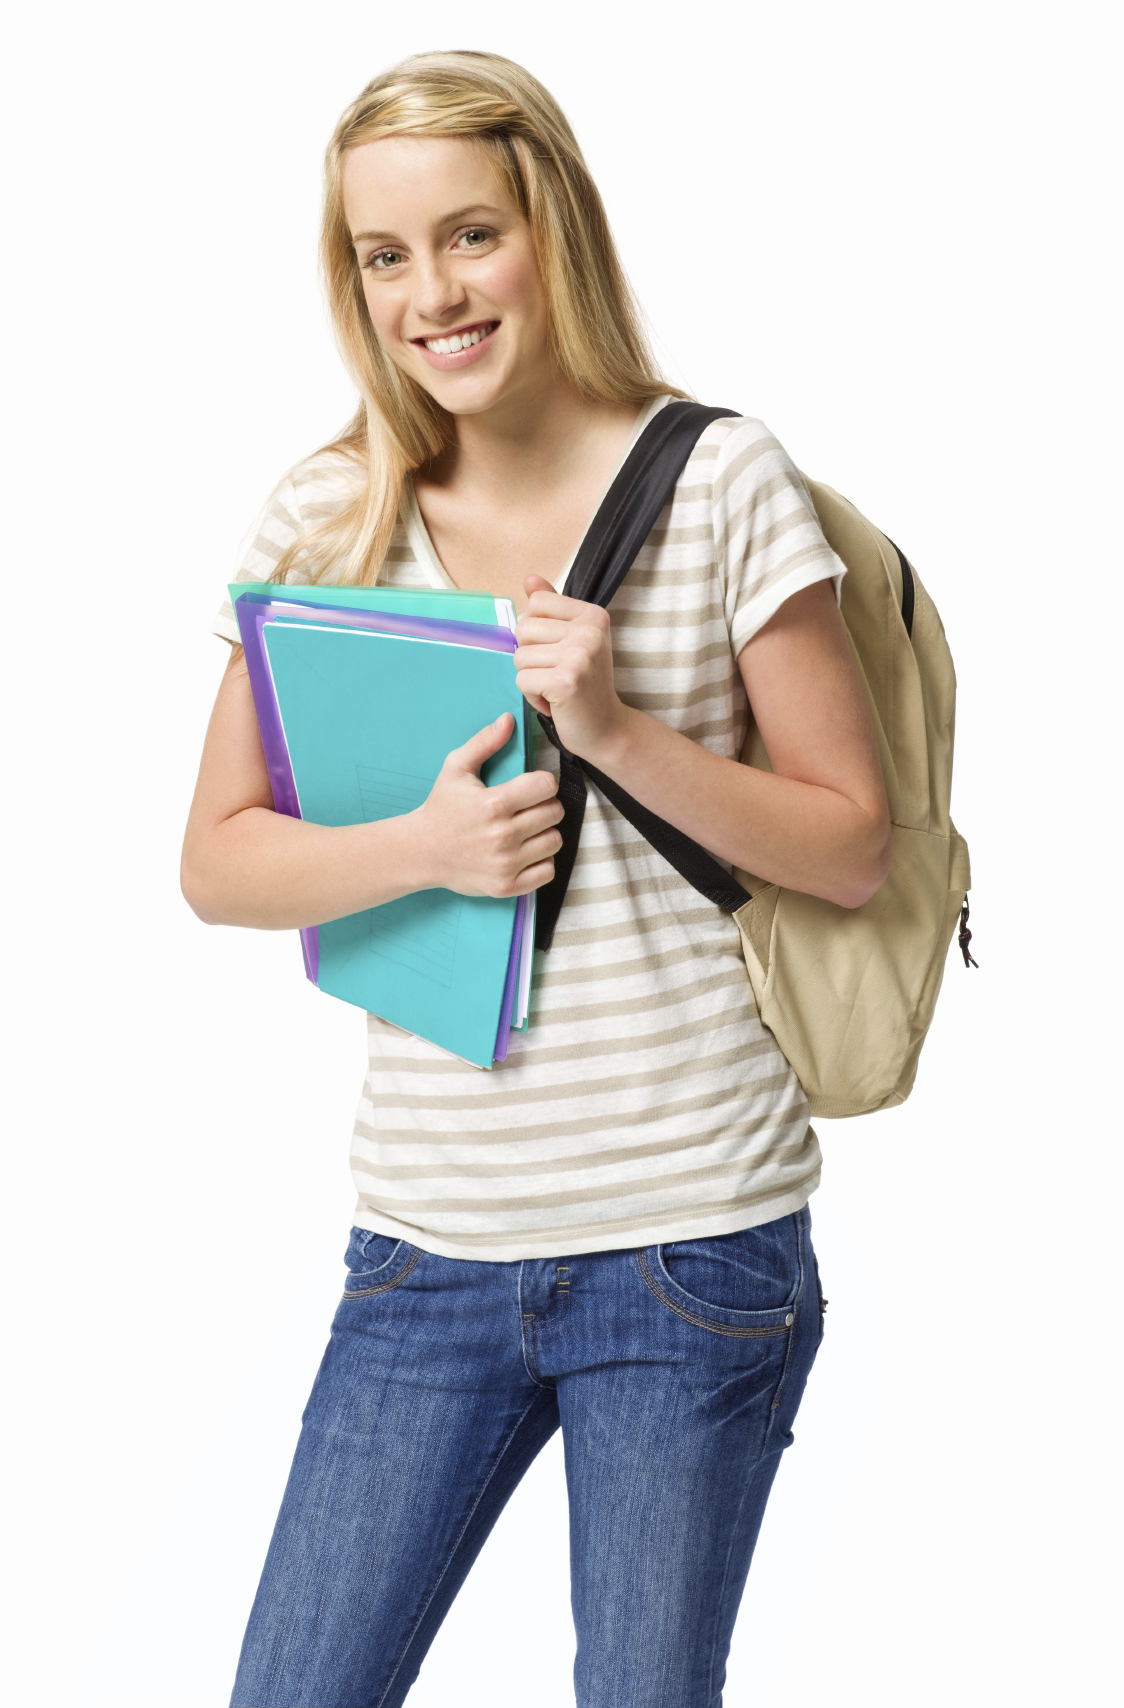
(802,1247)
(453,1550)
(385,1286)
(528,1318)
(701,1322)
(726,1568)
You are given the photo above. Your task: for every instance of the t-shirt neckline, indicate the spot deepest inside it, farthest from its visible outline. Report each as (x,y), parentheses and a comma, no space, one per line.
(424,550)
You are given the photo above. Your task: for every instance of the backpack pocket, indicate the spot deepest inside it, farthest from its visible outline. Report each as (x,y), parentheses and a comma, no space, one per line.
(849,993)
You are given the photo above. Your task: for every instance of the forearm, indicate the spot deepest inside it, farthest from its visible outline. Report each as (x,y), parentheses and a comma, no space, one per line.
(260,868)
(801,835)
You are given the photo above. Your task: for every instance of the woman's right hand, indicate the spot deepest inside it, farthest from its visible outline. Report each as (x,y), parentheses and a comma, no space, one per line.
(244,864)
(482,841)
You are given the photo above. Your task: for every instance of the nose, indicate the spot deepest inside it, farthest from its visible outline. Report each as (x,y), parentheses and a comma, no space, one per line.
(438,292)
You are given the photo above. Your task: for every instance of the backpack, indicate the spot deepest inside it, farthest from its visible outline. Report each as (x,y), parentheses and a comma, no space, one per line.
(848,993)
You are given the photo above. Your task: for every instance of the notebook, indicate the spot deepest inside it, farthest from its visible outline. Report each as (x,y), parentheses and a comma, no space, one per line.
(365,720)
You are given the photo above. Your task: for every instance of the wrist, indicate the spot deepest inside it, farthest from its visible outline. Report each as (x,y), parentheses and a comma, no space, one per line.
(610,752)
(399,855)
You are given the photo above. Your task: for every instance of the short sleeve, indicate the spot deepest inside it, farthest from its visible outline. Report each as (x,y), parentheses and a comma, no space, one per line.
(277,528)
(768,537)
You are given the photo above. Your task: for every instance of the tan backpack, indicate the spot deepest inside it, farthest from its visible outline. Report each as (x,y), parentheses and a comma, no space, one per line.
(848,992)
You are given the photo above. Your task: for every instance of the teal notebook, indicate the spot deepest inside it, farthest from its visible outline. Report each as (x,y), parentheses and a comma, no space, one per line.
(411,601)
(368,720)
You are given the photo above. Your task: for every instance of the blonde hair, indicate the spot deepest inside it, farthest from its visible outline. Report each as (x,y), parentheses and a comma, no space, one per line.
(597,341)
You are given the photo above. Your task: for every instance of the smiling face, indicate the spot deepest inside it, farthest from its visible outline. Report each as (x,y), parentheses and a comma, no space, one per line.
(449,270)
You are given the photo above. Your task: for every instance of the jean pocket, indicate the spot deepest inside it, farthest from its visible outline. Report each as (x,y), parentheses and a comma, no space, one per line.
(754,1269)
(376,1263)
(733,1307)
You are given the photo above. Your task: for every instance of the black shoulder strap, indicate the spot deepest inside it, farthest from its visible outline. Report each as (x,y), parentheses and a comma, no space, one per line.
(628,514)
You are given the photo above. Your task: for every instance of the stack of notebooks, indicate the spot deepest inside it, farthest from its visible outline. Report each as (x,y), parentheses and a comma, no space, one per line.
(360,695)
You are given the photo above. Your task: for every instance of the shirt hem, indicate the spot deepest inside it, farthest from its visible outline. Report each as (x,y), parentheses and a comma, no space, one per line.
(664,1233)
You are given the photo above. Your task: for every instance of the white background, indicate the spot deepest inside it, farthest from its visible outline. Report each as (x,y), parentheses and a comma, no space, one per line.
(886,230)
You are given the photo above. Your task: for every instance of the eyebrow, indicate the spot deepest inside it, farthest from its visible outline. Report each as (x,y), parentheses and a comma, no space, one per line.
(447,219)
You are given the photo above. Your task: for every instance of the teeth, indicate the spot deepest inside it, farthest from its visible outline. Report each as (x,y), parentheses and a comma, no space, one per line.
(458,341)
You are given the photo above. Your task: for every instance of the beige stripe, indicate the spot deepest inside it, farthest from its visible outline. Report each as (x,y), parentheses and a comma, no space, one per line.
(561,1017)
(652,963)
(535,1057)
(741,460)
(586,1160)
(666,997)
(715,652)
(630,974)
(586,1194)
(618,1224)
(729,1101)
(661,576)
(795,561)
(693,576)
(637,928)
(661,883)
(765,539)
(766,492)
(651,615)
(715,733)
(266,548)
(677,531)
(589,925)
(560,1090)
(676,700)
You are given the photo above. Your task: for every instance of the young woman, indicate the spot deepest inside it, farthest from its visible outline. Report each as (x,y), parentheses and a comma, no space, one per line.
(608,1232)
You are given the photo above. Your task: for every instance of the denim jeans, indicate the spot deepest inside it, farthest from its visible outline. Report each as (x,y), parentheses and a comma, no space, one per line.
(674,1373)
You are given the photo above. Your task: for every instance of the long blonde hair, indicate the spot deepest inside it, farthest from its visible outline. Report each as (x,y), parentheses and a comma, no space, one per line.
(597,341)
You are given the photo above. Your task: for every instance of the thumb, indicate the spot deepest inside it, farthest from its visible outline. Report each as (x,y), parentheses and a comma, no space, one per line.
(467,760)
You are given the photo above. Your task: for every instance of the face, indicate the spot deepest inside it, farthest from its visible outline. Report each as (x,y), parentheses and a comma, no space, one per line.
(449,269)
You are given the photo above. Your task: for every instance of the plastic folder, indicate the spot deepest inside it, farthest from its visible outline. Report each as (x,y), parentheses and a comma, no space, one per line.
(359,706)
(414,601)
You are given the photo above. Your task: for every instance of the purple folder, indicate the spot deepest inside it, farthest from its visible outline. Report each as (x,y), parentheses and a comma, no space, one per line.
(254,611)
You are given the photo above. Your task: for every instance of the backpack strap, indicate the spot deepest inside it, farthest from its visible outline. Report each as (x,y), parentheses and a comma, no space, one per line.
(628,514)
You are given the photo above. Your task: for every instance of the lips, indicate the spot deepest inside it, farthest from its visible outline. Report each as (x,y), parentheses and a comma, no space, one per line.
(460,347)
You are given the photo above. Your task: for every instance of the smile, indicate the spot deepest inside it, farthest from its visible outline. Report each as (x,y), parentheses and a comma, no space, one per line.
(455,344)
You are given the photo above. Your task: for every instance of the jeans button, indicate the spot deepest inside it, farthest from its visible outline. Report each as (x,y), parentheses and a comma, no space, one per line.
(788,1321)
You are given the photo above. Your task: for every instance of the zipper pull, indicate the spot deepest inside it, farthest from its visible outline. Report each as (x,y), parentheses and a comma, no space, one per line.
(965,937)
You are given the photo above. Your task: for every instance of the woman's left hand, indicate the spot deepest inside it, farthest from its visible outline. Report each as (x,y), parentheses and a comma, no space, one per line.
(565,669)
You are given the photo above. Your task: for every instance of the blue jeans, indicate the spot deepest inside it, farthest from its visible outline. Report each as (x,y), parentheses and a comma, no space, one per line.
(674,1372)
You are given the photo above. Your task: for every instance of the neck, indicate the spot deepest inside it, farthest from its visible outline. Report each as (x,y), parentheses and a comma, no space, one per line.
(528,442)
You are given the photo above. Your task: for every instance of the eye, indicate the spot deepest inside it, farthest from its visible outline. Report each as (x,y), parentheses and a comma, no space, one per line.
(475,237)
(382,260)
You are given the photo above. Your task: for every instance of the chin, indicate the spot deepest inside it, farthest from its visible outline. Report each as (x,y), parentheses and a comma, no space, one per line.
(464,396)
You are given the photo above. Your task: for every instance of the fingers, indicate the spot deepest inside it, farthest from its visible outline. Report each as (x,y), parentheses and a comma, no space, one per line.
(533,878)
(469,758)
(545,602)
(528,790)
(542,847)
(537,819)
(551,631)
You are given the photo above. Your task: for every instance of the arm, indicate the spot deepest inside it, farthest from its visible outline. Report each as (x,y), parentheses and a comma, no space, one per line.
(817,823)
(244,864)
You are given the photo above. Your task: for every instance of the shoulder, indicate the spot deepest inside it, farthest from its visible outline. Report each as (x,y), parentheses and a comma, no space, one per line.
(766,538)
(312,491)
(737,457)
(323,483)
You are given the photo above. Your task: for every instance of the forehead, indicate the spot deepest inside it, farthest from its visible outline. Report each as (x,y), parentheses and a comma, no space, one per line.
(415,181)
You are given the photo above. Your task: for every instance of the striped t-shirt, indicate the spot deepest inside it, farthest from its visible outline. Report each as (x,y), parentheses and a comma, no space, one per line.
(646,1102)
